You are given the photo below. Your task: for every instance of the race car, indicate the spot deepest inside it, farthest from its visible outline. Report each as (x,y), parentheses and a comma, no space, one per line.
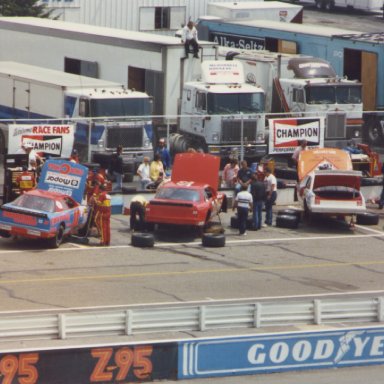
(190,198)
(328,185)
(51,211)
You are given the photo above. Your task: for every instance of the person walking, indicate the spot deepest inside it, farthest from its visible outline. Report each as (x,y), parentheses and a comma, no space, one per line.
(271,189)
(144,172)
(164,153)
(189,38)
(243,203)
(116,169)
(103,215)
(258,193)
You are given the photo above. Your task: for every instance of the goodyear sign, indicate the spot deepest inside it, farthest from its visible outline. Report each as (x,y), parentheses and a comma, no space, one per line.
(281,352)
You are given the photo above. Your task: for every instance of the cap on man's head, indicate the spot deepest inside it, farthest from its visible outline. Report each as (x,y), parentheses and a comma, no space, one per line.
(161,140)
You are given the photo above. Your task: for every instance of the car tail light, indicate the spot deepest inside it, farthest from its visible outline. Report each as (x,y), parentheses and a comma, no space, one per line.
(317,200)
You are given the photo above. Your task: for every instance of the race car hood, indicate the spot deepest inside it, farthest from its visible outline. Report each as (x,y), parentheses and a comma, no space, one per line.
(64,177)
(323,159)
(351,179)
(201,168)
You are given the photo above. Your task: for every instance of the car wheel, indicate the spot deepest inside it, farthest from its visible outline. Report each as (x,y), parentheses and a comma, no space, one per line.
(56,241)
(287,221)
(367,218)
(213,240)
(5,234)
(291,212)
(143,240)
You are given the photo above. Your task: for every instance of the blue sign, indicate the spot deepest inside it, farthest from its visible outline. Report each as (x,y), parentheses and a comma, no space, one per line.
(64,177)
(280,352)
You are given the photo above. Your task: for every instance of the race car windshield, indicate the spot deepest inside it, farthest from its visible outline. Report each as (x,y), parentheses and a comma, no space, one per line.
(333,94)
(35,202)
(229,103)
(178,194)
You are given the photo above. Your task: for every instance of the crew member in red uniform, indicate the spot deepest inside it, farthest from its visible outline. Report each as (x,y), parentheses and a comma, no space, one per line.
(94,180)
(26,181)
(103,215)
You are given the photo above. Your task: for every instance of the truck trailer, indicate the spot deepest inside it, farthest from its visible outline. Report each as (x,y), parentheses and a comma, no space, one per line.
(105,113)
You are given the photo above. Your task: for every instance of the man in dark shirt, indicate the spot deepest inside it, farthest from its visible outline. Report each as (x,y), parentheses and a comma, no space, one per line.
(258,192)
(244,176)
(116,169)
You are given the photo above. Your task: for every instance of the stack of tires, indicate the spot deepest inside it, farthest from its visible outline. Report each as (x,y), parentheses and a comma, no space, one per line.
(288,218)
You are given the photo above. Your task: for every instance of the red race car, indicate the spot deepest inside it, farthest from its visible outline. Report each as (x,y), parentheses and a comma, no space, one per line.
(191,196)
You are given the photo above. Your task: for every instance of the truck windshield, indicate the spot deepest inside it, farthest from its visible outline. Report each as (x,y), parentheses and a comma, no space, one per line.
(121,107)
(333,94)
(225,104)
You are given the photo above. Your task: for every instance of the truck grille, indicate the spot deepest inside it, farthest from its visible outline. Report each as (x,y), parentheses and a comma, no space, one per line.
(336,125)
(231,131)
(128,137)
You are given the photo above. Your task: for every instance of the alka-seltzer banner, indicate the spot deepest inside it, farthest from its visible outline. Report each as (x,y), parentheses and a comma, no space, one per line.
(285,134)
(281,352)
(64,177)
(49,140)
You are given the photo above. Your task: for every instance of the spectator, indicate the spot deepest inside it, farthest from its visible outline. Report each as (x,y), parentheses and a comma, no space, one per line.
(74,158)
(243,203)
(258,193)
(156,171)
(144,172)
(116,168)
(34,158)
(296,153)
(189,38)
(165,156)
(230,173)
(244,176)
(271,189)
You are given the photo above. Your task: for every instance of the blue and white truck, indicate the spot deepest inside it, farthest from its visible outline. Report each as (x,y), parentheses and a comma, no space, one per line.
(105,114)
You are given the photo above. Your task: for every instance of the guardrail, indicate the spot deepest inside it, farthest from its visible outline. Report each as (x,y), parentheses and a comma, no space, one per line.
(85,322)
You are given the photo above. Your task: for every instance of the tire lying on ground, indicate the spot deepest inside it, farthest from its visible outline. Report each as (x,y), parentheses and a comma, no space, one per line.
(213,240)
(287,221)
(367,218)
(142,239)
(290,212)
(235,222)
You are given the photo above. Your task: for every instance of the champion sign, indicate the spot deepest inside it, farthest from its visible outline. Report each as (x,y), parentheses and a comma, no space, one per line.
(281,352)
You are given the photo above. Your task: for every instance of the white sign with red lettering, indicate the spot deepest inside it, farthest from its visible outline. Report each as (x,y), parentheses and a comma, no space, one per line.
(48,140)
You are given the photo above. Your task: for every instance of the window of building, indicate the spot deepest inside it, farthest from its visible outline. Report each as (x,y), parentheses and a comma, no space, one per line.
(162,17)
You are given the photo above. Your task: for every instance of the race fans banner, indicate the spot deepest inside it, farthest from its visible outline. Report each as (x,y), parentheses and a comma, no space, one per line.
(286,134)
(48,140)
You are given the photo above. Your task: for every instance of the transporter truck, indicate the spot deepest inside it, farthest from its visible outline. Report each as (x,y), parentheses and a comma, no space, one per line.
(221,114)
(105,113)
(305,86)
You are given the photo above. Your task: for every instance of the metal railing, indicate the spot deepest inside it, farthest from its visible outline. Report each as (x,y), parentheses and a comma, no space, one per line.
(130,320)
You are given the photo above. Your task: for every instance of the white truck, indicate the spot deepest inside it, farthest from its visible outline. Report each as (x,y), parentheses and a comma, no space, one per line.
(364,5)
(305,86)
(221,114)
(105,114)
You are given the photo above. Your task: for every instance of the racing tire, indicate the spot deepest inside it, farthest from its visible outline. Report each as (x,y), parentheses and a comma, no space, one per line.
(56,241)
(142,240)
(287,221)
(213,240)
(235,222)
(5,234)
(367,218)
(290,212)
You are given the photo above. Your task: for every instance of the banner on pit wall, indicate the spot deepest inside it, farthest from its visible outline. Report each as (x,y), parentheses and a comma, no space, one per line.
(286,134)
(48,140)
(280,352)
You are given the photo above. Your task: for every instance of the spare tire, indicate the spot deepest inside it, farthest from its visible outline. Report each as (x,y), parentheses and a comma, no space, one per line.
(291,212)
(287,221)
(235,222)
(213,240)
(142,239)
(367,218)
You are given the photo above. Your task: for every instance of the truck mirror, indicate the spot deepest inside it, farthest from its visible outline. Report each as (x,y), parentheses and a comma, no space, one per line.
(83,108)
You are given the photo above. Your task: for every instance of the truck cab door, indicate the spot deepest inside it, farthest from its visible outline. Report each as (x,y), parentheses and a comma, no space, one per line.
(200,110)
(297,100)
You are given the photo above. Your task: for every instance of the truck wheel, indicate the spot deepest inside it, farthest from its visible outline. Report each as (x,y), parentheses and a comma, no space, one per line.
(56,241)
(287,221)
(375,130)
(143,240)
(367,218)
(215,240)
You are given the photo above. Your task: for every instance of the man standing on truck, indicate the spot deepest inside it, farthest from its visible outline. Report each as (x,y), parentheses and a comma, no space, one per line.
(189,38)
